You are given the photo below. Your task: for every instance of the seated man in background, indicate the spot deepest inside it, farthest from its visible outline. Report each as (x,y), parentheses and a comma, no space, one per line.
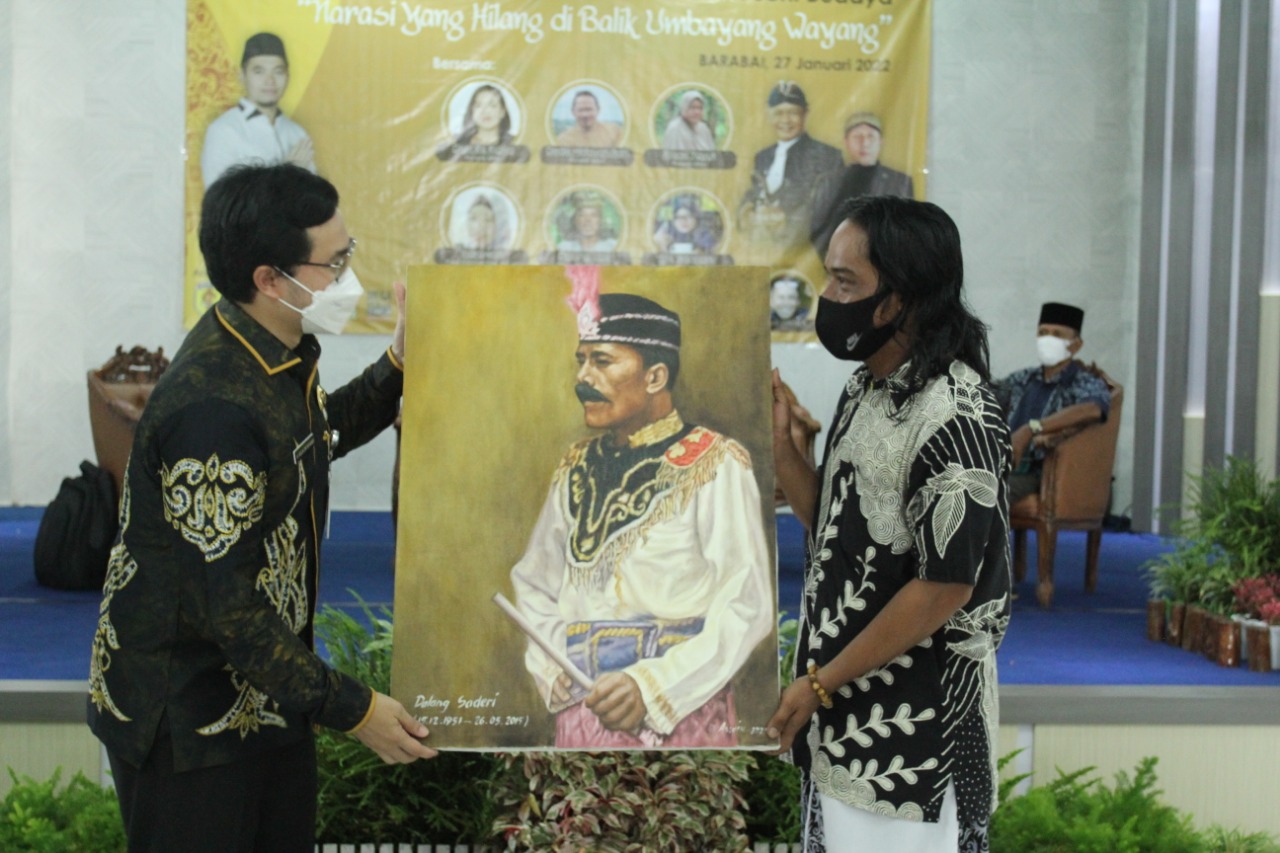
(1061,394)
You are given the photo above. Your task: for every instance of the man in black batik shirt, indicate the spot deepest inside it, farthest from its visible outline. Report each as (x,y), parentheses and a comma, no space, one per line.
(893,713)
(204,685)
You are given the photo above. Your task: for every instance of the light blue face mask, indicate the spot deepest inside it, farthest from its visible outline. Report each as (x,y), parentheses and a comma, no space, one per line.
(331,308)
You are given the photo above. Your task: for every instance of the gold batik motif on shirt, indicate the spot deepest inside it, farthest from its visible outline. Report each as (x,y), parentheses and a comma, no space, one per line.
(248,714)
(212,503)
(283,582)
(121,568)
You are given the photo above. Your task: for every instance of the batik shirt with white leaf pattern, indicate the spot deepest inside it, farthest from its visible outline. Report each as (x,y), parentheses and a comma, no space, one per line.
(912,486)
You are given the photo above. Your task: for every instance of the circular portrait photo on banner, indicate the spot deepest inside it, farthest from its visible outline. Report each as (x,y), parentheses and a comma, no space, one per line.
(691,117)
(689,221)
(587,114)
(483,111)
(585,219)
(482,218)
(793,302)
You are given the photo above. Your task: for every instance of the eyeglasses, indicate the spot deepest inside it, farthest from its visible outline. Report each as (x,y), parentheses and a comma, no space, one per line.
(339,266)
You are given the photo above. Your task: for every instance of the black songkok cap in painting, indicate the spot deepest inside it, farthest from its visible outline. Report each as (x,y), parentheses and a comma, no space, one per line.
(635,321)
(1060,314)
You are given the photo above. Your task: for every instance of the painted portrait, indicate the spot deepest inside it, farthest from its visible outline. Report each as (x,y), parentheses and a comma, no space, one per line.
(592,509)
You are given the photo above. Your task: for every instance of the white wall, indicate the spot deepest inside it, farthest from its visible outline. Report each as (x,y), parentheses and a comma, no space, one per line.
(1035,137)
(1036,144)
(6,242)
(94,191)
(1035,150)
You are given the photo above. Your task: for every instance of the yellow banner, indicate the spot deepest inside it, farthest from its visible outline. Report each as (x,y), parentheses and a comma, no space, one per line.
(662,133)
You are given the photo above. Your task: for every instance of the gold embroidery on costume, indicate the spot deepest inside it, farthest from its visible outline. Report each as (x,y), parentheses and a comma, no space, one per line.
(655,690)
(121,567)
(599,511)
(248,714)
(660,430)
(608,524)
(212,503)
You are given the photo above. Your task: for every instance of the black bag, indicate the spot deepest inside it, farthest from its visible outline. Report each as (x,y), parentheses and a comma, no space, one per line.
(77,532)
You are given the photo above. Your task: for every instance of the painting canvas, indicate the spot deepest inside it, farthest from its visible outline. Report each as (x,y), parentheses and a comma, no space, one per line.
(585,553)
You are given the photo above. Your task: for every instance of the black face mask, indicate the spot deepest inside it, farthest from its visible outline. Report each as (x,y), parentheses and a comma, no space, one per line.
(848,330)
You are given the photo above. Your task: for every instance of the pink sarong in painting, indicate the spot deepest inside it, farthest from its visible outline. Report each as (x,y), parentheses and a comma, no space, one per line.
(713,726)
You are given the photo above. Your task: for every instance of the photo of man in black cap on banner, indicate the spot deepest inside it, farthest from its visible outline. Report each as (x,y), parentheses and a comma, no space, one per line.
(788,176)
(255,130)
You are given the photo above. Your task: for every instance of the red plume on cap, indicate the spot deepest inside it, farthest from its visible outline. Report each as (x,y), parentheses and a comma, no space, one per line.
(585,298)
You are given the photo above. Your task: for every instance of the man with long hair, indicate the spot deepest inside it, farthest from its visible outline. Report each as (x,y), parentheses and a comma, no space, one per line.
(892,715)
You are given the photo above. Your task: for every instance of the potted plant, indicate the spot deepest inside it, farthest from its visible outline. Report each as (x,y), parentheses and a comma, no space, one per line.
(361,799)
(1258,600)
(1231,533)
(650,801)
(666,802)
(1174,581)
(1080,812)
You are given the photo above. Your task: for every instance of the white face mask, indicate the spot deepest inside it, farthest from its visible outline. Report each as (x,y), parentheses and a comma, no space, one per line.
(331,308)
(1052,350)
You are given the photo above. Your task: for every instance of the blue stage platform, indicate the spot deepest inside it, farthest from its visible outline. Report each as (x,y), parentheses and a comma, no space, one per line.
(1094,640)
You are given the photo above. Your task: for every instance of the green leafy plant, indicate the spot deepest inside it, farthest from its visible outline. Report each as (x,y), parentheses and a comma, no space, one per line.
(1077,813)
(39,817)
(363,800)
(1238,508)
(772,795)
(652,801)
(623,802)
(1231,532)
(772,790)
(1179,574)
(1219,840)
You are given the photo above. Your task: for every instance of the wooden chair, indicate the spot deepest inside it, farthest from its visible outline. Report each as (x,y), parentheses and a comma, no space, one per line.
(1075,487)
(118,391)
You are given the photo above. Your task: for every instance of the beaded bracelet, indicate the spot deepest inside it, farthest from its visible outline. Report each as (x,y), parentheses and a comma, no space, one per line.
(823,696)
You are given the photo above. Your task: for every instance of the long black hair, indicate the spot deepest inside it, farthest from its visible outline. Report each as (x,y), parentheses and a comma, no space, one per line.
(915,248)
